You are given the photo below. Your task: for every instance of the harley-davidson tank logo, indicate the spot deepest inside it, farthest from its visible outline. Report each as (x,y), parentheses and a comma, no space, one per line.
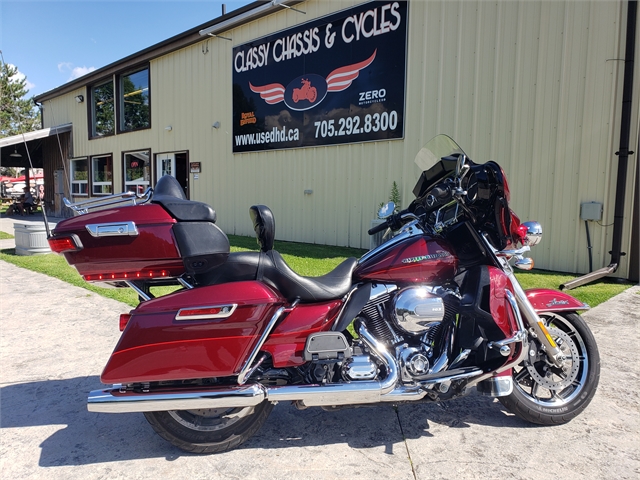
(309,90)
(421,258)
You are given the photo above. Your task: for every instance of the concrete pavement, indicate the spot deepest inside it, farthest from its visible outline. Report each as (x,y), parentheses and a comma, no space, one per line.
(55,339)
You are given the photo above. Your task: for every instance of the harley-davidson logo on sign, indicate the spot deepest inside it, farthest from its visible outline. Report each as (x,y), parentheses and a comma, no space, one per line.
(338,79)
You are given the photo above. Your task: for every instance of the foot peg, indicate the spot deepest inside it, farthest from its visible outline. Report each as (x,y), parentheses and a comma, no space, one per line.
(326,346)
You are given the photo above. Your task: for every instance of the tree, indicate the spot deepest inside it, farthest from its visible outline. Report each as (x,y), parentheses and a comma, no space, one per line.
(18,114)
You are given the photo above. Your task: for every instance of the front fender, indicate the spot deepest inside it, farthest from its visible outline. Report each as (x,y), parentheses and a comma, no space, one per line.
(547,300)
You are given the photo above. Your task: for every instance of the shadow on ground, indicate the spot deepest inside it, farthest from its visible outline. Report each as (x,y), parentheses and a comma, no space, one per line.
(88,438)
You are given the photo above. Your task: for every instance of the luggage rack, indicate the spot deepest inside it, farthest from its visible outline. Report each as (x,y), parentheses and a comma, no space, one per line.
(124,198)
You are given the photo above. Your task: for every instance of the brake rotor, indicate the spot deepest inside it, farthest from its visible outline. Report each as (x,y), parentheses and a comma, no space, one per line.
(556,378)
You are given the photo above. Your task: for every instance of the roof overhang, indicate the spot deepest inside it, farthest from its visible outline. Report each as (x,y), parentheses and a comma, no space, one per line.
(36,134)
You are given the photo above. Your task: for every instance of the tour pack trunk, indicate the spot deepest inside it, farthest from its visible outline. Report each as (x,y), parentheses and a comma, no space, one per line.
(141,242)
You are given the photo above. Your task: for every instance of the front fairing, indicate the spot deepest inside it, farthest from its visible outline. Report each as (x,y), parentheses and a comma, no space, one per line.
(435,162)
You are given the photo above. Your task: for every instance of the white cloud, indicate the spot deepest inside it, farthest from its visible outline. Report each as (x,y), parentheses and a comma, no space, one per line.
(63,66)
(80,71)
(19,76)
(75,71)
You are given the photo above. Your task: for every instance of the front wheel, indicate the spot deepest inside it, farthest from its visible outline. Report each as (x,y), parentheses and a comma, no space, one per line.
(549,395)
(211,430)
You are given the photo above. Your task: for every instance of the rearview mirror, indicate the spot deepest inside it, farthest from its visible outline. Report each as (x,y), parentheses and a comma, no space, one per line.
(386,210)
(461,166)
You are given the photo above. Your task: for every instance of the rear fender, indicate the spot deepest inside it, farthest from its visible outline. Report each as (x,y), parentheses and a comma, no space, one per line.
(547,300)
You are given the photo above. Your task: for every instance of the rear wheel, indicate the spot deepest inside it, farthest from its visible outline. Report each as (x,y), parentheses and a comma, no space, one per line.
(211,430)
(550,395)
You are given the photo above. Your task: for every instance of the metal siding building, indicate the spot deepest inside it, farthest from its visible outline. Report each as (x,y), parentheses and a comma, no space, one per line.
(535,86)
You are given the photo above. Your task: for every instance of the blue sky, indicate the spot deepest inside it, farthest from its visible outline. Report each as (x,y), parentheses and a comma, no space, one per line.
(53,42)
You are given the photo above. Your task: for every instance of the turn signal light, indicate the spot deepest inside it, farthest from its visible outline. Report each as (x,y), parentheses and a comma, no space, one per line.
(124,319)
(65,244)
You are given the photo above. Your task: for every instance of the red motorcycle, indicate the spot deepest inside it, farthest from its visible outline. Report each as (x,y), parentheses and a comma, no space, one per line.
(306,92)
(426,316)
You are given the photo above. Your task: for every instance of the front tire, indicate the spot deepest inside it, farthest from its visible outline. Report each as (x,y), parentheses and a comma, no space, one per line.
(548,395)
(212,430)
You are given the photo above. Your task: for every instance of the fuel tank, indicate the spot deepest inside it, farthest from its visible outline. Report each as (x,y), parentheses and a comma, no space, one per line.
(409,259)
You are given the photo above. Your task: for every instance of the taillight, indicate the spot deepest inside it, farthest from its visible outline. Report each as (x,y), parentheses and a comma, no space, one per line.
(124,319)
(205,313)
(69,243)
(139,275)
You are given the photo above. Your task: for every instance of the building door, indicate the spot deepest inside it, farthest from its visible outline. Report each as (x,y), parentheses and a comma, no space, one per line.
(174,164)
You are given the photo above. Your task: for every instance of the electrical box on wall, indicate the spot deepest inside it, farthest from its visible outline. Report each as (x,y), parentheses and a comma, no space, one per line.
(591,211)
(58,184)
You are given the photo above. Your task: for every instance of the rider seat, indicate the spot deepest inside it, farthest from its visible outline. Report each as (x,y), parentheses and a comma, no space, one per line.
(269,267)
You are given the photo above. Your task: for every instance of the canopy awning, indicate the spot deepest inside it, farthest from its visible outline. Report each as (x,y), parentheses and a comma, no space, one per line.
(13,150)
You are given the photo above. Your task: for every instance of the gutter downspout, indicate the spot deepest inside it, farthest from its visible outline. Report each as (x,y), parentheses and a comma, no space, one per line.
(623,157)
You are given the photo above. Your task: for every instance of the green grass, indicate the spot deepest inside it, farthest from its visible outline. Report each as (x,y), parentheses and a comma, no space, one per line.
(305,259)
(5,235)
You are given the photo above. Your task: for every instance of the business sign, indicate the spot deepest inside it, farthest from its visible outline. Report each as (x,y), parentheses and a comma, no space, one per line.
(338,79)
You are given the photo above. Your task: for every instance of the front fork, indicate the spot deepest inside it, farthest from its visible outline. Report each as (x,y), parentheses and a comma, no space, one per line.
(530,317)
(535,326)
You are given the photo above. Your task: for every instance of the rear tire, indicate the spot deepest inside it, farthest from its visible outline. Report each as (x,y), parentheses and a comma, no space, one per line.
(551,396)
(209,430)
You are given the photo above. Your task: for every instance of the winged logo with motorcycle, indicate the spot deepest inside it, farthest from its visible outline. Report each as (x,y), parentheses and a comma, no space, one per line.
(309,90)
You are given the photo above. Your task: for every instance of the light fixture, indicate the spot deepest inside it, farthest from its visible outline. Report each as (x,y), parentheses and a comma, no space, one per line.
(79,98)
(168,128)
(15,153)
(216,125)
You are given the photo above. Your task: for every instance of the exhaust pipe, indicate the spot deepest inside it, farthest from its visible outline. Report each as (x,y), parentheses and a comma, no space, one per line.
(387,390)
(118,401)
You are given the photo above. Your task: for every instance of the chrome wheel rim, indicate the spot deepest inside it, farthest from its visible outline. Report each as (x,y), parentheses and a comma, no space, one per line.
(549,386)
(210,419)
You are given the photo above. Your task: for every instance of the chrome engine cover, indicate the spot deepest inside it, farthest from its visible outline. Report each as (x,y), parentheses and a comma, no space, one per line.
(416,309)
(359,367)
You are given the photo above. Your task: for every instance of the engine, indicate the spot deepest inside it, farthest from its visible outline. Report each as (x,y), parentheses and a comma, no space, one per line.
(411,321)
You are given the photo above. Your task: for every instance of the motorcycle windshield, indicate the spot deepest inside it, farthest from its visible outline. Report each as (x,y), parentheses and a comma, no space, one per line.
(436,161)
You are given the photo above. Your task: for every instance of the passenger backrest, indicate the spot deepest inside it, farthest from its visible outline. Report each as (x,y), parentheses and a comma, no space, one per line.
(169,193)
(264,225)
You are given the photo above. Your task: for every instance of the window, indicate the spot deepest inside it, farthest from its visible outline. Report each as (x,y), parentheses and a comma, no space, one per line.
(102,175)
(102,110)
(79,176)
(133,101)
(137,171)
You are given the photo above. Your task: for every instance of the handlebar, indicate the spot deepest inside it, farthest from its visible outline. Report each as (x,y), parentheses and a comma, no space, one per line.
(378,228)
(441,192)
(394,222)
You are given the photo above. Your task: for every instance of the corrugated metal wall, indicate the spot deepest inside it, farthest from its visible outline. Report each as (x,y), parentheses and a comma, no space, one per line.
(534,85)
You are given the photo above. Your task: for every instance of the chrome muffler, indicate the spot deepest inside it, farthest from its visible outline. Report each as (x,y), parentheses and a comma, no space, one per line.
(117,400)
